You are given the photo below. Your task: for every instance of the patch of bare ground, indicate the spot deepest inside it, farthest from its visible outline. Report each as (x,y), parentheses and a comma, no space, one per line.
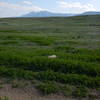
(31,93)
(25,90)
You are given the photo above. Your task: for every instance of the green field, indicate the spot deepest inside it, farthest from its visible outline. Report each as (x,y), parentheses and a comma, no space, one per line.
(26,43)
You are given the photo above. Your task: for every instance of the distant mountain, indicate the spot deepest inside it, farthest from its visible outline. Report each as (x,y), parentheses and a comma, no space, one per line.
(51,14)
(46,14)
(91,13)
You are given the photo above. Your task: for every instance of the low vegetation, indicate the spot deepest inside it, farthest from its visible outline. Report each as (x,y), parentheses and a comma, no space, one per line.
(4,98)
(48,88)
(25,49)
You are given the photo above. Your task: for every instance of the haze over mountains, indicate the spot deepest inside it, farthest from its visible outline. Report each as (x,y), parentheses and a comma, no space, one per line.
(91,13)
(47,14)
(51,14)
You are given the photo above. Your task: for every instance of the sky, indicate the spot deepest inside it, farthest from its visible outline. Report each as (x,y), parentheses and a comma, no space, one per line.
(12,8)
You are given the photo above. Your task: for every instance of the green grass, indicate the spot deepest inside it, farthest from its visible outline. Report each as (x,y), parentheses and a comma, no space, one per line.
(4,98)
(26,43)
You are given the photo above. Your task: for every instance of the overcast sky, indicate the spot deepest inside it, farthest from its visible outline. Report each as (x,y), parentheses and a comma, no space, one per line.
(9,8)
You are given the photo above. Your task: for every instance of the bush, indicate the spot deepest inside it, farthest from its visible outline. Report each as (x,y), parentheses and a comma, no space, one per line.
(48,88)
(68,90)
(16,73)
(73,79)
(81,92)
(37,60)
(50,75)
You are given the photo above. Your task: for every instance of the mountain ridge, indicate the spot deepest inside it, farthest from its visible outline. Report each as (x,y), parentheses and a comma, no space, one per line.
(91,13)
(46,14)
(52,14)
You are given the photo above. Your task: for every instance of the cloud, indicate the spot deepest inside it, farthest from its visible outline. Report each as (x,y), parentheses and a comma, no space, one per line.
(17,6)
(27,2)
(10,9)
(76,5)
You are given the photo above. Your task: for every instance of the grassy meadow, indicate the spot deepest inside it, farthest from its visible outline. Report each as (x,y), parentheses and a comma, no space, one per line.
(26,43)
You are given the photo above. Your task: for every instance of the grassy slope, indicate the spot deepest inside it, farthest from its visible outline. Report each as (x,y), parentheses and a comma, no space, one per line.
(26,43)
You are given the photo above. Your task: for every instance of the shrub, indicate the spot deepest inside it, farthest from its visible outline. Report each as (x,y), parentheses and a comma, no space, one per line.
(29,61)
(68,90)
(48,87)
(73,79)
(80,92)
(16,73)
(50,75)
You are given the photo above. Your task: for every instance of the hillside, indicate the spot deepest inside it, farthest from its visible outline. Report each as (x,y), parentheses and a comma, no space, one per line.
(54,58)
